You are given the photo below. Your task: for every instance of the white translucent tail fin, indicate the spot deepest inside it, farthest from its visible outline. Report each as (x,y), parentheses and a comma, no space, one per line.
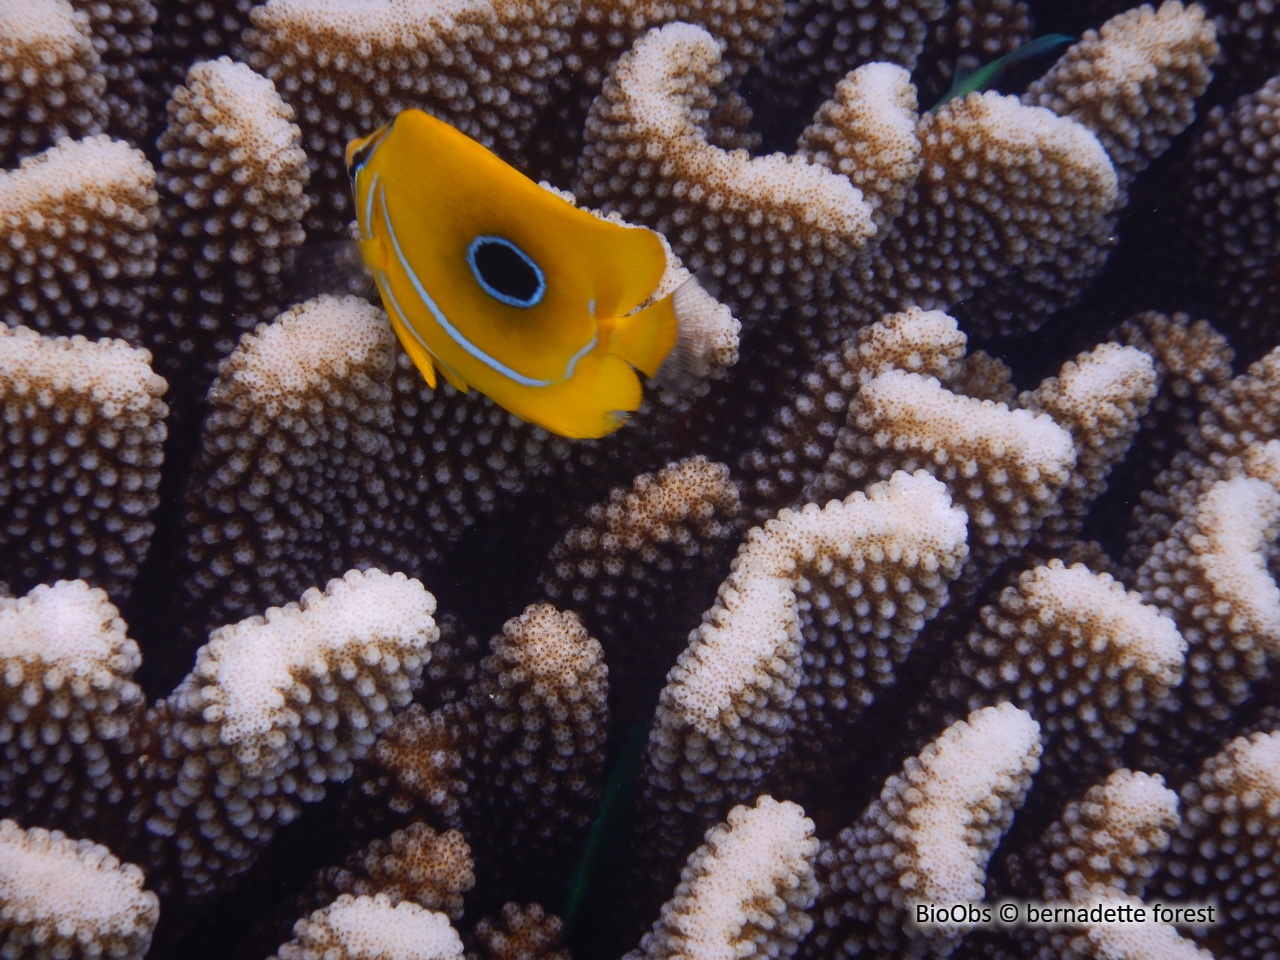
(689,361)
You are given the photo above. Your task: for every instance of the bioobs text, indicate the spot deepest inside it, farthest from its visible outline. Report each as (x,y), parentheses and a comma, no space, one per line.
(968,913)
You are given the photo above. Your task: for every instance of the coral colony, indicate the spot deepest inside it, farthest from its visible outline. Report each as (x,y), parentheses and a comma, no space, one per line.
(950,592)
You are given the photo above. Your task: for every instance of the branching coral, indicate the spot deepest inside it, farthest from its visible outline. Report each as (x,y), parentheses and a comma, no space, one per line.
(417,864)
(784,465)
(1192,360)
(1212,571)
(349,68)
(1234,524)
(84,431)
(520,933)
(1001,186)
(275,707)
(520,753)
(51,82)
(313,381)
(1228,844)
(606,29)
(745,892)
(1230,438)
(1099,399)
(635,556)
(926,839)
(1133,83)
(1084,657)
(62,898)
(79,220)
(231,184)
(1110,839)
(648,158)
(895,400)
(370,928)
(817,41)
(123,37)
(71,704)
(819,608)
(868,133)
(1231,230)
(917,481)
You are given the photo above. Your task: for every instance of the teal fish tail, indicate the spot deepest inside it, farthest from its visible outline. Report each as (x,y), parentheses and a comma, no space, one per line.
(966,83)
(615,806)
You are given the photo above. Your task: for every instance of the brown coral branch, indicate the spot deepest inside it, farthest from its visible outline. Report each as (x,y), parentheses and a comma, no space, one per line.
(520,754)
(79,220)
(628,569)
(231,183)
(1083,656)
(348,68)
(83,438)
(71,711)
(70,899)
(926,839)
(649,159)
(369,928)
(1228,845)
(745,892)
(276,707)
(51,82)
(819,608)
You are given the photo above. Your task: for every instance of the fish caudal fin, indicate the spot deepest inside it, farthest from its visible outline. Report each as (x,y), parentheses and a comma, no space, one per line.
(670,340)
(646,337)
(689,361)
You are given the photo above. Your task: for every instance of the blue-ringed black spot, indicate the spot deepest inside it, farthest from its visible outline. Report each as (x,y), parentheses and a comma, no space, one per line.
(506,272)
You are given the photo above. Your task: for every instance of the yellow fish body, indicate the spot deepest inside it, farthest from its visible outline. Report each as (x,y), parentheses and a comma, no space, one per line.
(503,286)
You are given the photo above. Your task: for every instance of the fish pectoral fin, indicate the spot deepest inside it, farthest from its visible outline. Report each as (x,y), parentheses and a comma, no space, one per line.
(646,337)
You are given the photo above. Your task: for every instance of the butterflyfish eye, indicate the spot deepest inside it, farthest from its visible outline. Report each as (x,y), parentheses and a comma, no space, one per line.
(358,157)
(506,272)
(359,151)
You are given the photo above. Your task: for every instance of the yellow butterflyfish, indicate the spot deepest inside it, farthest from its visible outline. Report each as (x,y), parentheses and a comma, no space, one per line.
(503,286)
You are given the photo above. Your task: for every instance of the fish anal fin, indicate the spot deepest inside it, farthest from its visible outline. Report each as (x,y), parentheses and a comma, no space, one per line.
(592,403)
